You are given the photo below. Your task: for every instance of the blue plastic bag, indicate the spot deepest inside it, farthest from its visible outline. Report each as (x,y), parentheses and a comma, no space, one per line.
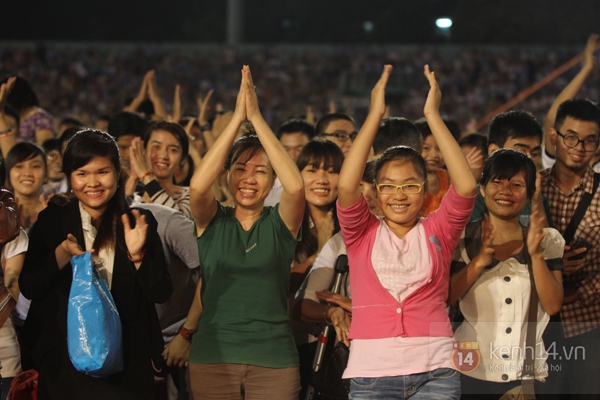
(94,336)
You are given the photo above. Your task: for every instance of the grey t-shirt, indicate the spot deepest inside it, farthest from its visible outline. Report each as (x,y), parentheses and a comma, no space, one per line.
(181,254)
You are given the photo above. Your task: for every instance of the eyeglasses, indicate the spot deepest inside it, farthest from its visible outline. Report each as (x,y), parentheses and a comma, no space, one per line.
(408,188)
(341,136)
(571,140)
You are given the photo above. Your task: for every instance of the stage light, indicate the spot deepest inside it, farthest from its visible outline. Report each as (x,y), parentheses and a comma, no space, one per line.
(443,23)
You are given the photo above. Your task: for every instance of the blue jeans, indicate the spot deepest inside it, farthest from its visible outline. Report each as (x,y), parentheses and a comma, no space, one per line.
(440,384)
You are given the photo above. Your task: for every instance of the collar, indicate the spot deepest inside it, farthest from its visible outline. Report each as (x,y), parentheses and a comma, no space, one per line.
(86,220)
(585,183)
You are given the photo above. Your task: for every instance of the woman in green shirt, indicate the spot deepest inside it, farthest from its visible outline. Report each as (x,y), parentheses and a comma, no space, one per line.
(244,346)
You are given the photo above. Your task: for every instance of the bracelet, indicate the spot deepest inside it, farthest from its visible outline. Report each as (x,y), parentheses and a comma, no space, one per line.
(205,127)
(187,334)
(137,260)
(6,132)
(145,175)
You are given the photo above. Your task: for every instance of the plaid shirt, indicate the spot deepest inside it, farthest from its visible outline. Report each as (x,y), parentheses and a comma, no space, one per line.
(582,315)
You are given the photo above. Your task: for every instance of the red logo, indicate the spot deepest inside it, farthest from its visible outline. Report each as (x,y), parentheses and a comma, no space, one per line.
(466,356)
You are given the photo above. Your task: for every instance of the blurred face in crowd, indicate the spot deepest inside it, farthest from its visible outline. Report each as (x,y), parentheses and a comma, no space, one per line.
(28,176)
(54,162)
(293,143)
(163,154)
(339,132)
(432,154)
(575,158)
(124,143)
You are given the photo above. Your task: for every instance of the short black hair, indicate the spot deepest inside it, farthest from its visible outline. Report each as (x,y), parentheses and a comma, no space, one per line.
(403,153)
(423,128)
(51,144)
(296,125)
(579,109)
(395,131)
(478,140)
(513,124)
(70,121)
(2,171)
(67,135)
(127,123)
(506,163)
(369,173)
(325,120)
(22,95)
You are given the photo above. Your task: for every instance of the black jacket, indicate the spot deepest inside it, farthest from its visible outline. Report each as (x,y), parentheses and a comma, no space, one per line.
(134,292)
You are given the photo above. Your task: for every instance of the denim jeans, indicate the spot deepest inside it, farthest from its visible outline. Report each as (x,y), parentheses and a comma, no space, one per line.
(439,384)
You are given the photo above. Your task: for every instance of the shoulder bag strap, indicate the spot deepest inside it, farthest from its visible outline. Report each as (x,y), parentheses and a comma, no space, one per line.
(528,372)
(582,207)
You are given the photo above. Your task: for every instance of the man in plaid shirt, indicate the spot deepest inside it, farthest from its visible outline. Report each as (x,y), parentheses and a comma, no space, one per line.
(576,137)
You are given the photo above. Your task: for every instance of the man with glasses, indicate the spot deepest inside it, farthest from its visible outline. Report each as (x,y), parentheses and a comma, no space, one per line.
(339,128)
(575,135)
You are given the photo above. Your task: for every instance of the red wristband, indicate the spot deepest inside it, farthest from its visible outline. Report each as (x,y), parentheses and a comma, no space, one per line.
(187,334)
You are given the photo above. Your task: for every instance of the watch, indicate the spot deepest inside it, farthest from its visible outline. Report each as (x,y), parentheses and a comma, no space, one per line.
(187,334)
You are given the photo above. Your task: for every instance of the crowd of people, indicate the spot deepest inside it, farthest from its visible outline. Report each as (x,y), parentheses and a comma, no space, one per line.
(87,83)
(473,256)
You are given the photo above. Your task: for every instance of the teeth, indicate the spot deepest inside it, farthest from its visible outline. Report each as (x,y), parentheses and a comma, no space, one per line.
(398,206)
(248,191)
(94,193)
(504,202)
(321,190)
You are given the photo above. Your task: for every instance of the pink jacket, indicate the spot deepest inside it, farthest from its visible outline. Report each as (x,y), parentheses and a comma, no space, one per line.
(375,312)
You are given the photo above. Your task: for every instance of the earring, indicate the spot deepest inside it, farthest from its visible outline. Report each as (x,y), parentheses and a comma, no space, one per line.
(71,191)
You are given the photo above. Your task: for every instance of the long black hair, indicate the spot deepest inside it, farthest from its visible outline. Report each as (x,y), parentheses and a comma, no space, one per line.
(81,149)
(318,153)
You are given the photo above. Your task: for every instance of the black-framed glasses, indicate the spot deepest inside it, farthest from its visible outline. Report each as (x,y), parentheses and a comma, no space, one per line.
(407,188)
(571,140)
(341,136)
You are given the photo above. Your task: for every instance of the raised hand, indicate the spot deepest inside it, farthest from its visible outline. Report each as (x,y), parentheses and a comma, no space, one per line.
(475,159)
(589,61)
(486,253)
(240,104)
(135,238)
(5,90)
(434,97)
(252,109)
(203,108)
(177,105)
(535,233)
(137,158)
(378,92)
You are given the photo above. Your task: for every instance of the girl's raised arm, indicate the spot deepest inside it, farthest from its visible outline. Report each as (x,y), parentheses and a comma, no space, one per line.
(462,178)
(202,198)
(356,160)
(292,203)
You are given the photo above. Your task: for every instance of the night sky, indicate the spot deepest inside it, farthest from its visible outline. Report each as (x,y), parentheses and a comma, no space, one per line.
(304,21)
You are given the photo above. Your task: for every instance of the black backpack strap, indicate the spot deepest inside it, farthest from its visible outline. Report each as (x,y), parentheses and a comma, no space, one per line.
(582,207)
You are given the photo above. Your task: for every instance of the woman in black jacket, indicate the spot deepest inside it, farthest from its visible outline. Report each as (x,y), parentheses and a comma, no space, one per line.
(127,253)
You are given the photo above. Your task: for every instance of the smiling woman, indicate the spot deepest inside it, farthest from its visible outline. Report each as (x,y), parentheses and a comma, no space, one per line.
(26,166)
(127,254)
(155,161)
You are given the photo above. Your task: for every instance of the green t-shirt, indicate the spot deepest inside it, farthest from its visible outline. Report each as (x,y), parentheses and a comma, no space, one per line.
(245,285)
(479,209)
